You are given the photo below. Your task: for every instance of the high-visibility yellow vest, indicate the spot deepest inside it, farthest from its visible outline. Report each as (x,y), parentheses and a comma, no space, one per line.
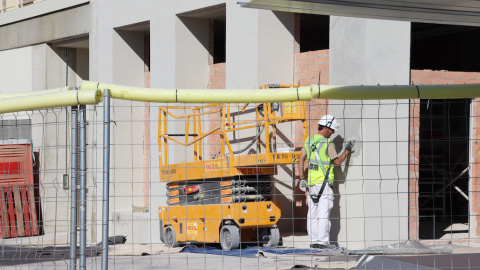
(319,144)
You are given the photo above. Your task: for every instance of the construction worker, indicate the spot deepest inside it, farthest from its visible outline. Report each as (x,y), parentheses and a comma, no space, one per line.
(322,157)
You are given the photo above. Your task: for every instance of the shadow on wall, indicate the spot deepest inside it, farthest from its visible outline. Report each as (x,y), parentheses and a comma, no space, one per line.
(340,177)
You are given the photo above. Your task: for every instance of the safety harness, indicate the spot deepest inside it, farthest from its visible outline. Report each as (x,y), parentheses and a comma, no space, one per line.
(313,147)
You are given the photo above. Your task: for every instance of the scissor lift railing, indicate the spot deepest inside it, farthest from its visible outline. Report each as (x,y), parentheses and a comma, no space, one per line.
(227,163)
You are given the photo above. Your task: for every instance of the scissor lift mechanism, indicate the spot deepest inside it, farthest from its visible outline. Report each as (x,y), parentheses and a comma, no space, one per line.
(225,199)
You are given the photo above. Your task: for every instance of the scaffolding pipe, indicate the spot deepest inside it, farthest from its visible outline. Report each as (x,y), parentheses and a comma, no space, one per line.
(50,100)
(83,187)
(73,188)
(106,178)
(55,90)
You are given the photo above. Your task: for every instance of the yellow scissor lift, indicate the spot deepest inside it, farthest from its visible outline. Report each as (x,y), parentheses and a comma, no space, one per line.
(225,199)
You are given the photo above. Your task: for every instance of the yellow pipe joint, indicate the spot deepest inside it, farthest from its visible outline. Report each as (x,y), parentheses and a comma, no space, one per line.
(50,100)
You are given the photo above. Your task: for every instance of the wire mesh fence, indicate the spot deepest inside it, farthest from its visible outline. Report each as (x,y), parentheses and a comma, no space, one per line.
(215,186)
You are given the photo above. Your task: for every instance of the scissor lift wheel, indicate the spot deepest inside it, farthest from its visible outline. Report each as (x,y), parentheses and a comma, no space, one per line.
(273,237)
(229,237)
(170,237)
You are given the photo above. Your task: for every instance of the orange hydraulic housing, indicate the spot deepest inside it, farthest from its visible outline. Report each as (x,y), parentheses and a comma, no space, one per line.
(226,198)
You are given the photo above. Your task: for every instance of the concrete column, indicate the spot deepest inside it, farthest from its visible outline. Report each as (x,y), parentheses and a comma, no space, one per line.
(370,52)
(162,75)
(260,47)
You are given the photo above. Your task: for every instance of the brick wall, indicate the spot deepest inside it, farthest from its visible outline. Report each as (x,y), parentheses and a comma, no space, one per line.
(216,80)
(436,78)
(475,167)
(414,153)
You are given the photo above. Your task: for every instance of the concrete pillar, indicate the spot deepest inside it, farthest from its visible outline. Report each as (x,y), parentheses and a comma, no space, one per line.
(370,52)
(260,47)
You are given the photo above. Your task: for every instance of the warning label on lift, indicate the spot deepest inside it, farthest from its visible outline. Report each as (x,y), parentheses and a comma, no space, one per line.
(174,200)
(225,191)
(227,199)
(225,183)
(215,166)
(255,171)
(173,193)
(192,228)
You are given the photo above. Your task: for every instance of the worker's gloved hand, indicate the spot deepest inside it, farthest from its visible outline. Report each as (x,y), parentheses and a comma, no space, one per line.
(350,145)
(303,185)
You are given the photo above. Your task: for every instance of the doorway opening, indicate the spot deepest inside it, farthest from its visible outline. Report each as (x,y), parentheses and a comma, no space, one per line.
(443,168)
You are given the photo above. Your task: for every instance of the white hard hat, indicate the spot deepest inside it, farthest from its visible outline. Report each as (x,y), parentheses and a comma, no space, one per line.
(329,121)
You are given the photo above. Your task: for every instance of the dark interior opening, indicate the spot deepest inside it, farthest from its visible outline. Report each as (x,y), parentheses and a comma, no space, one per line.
(314,32)
(445,47)
(443,171)
(219,40)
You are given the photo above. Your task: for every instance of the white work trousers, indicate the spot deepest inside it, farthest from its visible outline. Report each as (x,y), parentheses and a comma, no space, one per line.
(318,218)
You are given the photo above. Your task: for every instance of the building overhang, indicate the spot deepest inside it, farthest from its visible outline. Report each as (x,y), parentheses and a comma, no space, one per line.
(465,12)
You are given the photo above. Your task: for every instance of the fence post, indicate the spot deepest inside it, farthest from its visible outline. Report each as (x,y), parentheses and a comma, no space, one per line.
(83,187)
(73,188)
(106,177)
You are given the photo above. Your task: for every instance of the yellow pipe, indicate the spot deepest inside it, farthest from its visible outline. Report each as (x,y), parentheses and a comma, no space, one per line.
(12,95)
(395,91)
(288,94)
(202,95)
(50,100)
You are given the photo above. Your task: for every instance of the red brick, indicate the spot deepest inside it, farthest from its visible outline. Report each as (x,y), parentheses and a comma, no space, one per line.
(305,81)
(325,73)
(302,68)
(419,73)
(312,54)
(323,52)
(324,81)
(326,60)
(429,80)
(308,62)
(452,75)
(219,78)
(436,74)
(313,68)
(467,75)
(318,60)
(310,74)
(445,81)
(461,81)
(301,55)
(416,80)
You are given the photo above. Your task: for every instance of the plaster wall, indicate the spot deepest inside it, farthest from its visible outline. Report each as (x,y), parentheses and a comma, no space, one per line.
(17,75)
(372,192)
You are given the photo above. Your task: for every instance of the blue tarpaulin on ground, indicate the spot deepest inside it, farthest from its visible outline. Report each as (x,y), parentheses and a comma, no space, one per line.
(252,251)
